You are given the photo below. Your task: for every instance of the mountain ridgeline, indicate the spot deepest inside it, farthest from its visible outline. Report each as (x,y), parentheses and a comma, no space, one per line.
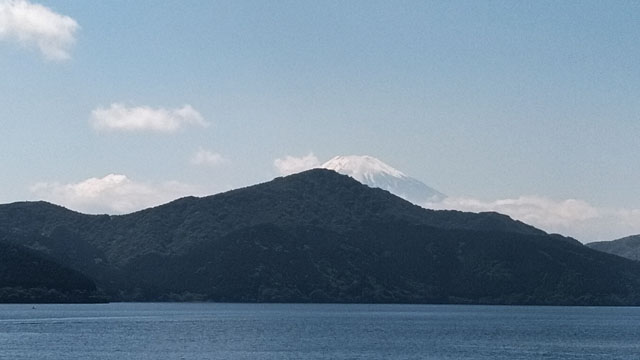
(375,173)
(27,277)
(319,236)
(627,247)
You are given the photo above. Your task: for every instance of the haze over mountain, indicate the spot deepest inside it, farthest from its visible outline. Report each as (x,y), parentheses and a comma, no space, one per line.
(319,236)
(373,172)
(627,247)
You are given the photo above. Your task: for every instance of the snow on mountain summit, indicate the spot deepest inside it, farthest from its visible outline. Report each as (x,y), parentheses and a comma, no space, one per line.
(362,168)
(375,173)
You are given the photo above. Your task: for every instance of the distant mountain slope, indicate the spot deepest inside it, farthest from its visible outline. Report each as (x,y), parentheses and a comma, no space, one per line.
(27,277)
(627,247)
(323,237)
(374,173)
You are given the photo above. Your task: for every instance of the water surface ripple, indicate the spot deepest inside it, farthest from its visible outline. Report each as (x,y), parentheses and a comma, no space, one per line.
(313,331)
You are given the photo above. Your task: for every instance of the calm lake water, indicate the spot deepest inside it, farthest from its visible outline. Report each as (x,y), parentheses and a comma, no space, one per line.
(284,331)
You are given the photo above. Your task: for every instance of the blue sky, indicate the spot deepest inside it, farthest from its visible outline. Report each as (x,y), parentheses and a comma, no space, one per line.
(529,108)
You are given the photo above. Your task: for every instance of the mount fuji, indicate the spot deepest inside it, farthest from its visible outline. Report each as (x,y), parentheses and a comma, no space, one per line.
(375,173)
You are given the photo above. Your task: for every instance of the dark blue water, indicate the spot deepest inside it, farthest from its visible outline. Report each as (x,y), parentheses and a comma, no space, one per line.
(281,331)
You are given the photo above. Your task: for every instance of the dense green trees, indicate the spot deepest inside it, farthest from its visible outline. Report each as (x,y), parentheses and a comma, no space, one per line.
(320,237)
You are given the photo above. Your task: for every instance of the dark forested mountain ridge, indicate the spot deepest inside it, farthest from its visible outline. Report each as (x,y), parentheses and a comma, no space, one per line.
(394,263)
(319,198)
(319,236)
(26,276)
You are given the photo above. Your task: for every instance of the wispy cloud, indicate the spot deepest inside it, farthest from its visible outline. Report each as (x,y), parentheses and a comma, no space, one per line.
(36,25)
(572,217)
(207,158)
(112,194)
(291,164)
(119,117)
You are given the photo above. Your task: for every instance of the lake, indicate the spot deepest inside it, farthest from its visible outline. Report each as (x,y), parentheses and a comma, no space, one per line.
(313,331)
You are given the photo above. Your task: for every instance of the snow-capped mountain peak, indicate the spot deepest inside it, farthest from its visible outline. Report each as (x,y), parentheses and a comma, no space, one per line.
(362,168)
(375,173)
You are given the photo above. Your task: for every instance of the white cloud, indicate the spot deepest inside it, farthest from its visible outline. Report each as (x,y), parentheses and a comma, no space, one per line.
(571,217)
(208,158)
(36,25)
(113,193)
(118,117)
(291,165)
